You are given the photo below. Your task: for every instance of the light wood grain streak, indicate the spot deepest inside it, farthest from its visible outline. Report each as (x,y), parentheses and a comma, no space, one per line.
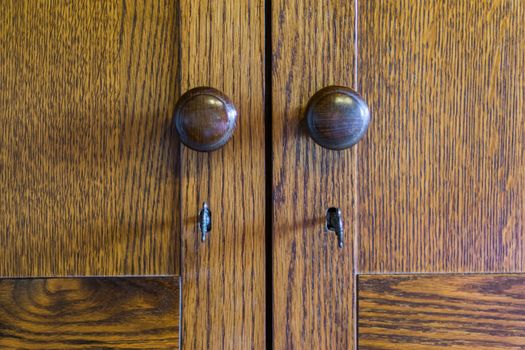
(312,47)
(88,162)
(453,312)
(90,313)
(222,46)
(443,163)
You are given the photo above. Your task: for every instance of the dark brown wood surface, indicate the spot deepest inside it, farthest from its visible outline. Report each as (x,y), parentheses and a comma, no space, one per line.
(90,313)
(442,186)
(88,159)
(336,117)
(224,295)
(205,119)
(312,47)
(433,312)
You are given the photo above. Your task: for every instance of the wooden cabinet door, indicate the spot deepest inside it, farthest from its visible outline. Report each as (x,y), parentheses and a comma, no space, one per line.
(98,195)
(443,184)
(432,197)
(89,175)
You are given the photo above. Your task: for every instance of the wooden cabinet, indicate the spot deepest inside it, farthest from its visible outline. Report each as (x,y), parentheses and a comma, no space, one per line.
(100,244)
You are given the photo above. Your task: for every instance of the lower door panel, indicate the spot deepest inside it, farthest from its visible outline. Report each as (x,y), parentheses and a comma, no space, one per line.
(90,313)
(475,311)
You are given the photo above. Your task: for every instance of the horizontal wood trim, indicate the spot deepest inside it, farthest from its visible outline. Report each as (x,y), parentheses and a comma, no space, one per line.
(90,313)
(433,312)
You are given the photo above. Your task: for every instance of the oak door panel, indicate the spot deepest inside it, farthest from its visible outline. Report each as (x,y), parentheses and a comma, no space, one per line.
(313,306)
(442,185)
(88,159)
(90,313)
(433,312)
(224,294)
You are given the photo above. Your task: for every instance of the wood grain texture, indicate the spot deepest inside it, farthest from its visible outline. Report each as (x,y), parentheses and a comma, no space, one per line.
(88,162)
(453,312)
(312,47)
(90,313)
(336,117)
(222,46)
(205,119)
(443,163)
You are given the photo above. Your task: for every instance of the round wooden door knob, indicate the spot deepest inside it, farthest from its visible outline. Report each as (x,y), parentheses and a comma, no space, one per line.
(205,119)
(337,117)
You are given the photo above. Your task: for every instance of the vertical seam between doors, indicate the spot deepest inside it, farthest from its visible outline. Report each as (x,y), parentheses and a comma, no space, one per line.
(179,165)
(355,250)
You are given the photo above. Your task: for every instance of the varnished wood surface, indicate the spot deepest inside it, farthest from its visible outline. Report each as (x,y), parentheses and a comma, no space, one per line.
(443,163)
(433,312)
(205,119)
(88,160)
(222,46)
(312,47)
(336,117)
(90,313)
